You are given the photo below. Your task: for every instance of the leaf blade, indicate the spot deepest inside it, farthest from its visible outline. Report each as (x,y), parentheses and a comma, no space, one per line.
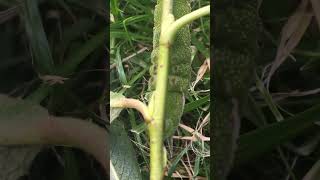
(122,155)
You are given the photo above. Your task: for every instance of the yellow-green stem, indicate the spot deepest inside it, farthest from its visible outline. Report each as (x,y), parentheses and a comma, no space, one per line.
(169,28)
(157,124)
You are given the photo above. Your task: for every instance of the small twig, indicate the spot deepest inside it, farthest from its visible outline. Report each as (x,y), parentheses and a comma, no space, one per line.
(195,134)
(184,20)
(186,168)
(135,104)
(53,79)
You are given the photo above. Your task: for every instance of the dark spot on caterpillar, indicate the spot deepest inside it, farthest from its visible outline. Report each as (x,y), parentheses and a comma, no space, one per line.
(173,80)
(175,69)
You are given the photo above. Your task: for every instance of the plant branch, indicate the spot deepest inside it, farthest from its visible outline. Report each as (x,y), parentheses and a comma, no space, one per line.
(135,104)
(156,127)
(169,28)
(57,131)
(184,20)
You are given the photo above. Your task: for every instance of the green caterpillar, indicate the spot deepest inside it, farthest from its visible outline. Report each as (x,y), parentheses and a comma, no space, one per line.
(180,65)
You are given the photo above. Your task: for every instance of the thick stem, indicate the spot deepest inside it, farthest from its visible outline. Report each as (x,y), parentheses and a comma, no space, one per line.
(166,17)
(169,28)
(156,126)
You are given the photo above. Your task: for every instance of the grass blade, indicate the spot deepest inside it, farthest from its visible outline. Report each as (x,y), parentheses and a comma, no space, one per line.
(262,140)
(80,54)
(43,61)
(176,161)
(195,104)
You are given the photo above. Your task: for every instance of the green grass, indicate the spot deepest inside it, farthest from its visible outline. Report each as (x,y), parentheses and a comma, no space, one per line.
(279,128)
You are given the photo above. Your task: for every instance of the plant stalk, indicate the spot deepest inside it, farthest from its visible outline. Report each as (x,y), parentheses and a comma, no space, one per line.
(169,28)
(184,20)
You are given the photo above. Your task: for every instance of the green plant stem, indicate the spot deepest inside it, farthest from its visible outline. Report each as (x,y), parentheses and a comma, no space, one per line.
(169,28)
(184,20)
(156,126)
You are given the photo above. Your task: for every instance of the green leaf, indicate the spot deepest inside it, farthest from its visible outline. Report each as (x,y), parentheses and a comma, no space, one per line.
(80,54)
(39,94)
(176,161)
(254,113)
(74,31)
(273,135)
(42,60)
(196,104)
(124,164)
(196,168)
(71,165)
(120,69)
(99,7)
(139,128)
(114,112)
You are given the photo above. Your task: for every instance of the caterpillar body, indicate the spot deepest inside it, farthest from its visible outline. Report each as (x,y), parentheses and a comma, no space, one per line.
(180,65)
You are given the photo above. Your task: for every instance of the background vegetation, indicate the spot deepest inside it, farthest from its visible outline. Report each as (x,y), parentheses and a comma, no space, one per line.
(52,52)
(290,50)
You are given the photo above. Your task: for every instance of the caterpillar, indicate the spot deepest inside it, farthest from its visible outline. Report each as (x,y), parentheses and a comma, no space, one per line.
(180,65)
